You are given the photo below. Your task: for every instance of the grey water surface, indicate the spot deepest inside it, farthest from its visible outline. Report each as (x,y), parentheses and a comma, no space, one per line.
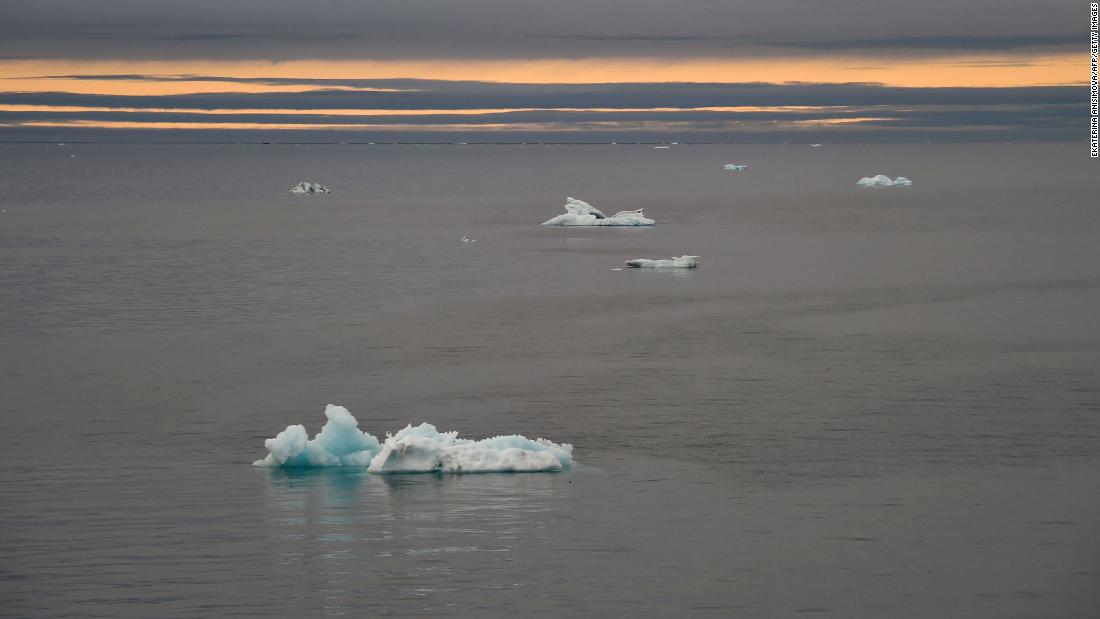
(863,403)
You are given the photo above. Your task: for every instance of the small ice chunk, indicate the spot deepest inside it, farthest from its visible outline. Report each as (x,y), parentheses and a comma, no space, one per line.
(308,187)
(581,213)
(881,180)
(466,239)
(683,262)
(735,167)
(815,145)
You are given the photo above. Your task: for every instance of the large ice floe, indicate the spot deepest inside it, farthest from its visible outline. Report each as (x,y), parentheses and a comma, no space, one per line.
(415,449)
(308,187)
(581,213)
(881,180)
(735,167)
(683,262)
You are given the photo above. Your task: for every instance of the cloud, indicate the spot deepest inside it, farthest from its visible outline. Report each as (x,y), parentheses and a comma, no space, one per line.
(516,29)
(638,111)
(950,43)
(898,117)
(409,94)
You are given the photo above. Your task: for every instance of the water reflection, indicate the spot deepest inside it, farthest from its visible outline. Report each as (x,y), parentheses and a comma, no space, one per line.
(682,273)
(398,530)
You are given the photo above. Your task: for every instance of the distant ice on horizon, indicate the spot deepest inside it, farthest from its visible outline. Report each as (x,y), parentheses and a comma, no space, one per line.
(735,167)
(881,180)
(581,213)
(682,262)
(308,187)
(414,449)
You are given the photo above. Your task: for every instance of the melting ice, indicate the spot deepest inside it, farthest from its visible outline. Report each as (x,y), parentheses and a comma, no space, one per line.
(415,449)
(881,180)
(580,213)
(308,187)
(683,262)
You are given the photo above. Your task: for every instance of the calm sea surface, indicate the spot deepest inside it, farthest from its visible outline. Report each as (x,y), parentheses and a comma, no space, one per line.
(863,403)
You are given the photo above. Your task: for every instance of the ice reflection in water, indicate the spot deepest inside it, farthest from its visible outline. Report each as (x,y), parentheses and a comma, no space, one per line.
(419,536)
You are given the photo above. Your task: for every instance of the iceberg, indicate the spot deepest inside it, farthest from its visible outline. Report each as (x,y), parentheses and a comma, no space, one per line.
(735,167)
(581,213)
(683,262)
(415,449)
(339,443)
(881,180)
(308,187)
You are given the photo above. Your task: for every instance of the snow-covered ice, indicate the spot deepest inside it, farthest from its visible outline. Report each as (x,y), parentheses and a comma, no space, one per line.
(581,213)
(735,167)
(415,449)
(308,187)
(423,449)
(881,180)
(683,262)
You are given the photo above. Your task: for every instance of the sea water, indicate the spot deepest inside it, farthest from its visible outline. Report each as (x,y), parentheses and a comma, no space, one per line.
(862,403)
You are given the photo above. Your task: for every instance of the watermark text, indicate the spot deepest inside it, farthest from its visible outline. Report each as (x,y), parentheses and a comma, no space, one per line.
(1094,113)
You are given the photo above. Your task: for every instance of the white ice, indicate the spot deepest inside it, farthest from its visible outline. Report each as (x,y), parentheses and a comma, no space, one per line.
(580,213)
(415,449)
(735,167)
(683,262)
(308,187)
(881,180)
(423,449)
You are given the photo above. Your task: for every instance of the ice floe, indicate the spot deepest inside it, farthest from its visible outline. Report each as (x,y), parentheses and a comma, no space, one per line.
(683,262)
(881,180)
(735,167)
(581,213)
(415,449)
(308,187)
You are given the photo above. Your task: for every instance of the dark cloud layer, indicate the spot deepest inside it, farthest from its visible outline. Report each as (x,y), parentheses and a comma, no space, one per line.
(389,29)
(448,95)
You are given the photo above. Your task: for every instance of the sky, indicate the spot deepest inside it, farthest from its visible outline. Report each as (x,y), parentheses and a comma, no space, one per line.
(562,70)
